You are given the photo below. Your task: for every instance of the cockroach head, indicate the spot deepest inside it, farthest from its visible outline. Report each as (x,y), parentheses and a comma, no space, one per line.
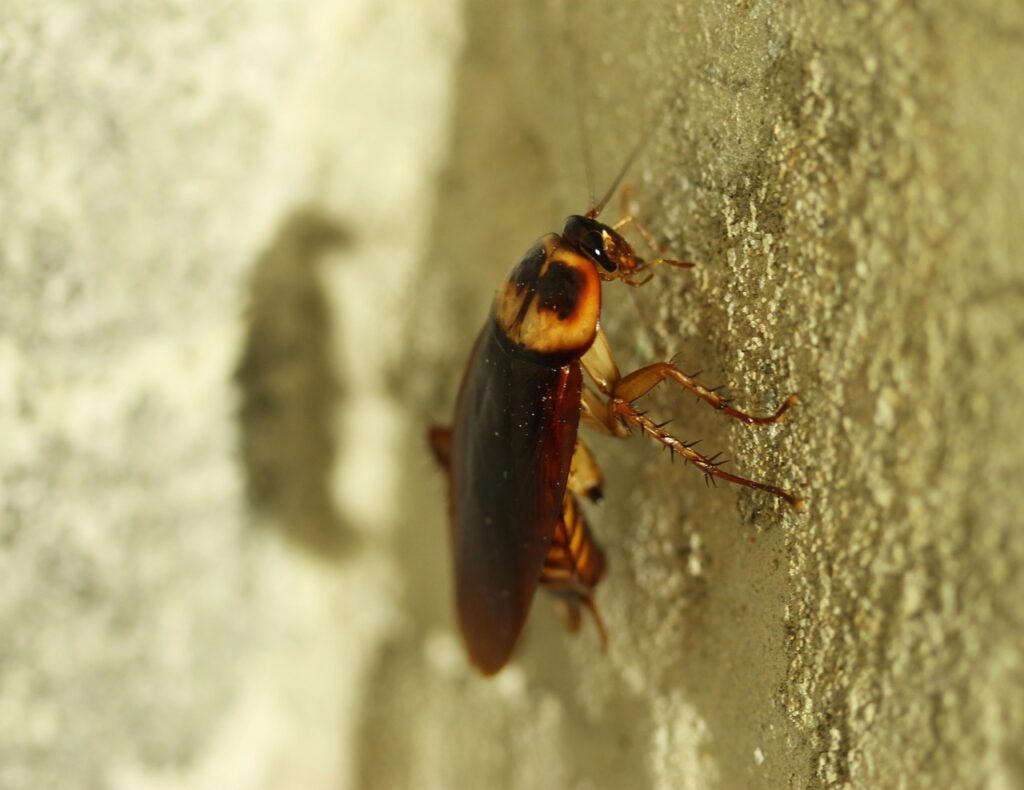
(599,242)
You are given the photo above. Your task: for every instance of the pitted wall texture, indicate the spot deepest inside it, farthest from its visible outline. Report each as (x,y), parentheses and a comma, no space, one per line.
(849,182)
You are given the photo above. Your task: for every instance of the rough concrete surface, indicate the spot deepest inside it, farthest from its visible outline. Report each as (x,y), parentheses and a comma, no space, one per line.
(244,249)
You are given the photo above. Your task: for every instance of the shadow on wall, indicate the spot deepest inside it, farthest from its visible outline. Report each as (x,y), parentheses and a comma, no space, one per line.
(288,387)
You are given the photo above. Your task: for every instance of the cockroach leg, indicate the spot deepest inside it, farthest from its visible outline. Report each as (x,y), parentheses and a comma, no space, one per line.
(574,565)
(573,620)
(571,613)
(710,466)
(602,630)
(441,443)
(600,363)
(636,283)
(617,415)
(600,366)
(629,218)
(596,414)
(642,381)
(659,262)
(585,478)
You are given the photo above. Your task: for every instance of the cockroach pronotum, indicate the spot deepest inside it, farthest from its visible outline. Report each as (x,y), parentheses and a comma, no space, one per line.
(515,464)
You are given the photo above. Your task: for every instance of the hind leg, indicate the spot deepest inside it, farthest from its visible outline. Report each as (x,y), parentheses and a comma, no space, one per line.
(585,478)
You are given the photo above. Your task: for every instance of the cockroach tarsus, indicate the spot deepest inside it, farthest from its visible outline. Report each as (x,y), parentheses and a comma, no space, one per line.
(514,461)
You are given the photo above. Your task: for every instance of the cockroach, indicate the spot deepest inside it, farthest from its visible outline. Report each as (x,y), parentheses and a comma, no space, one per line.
(514,462)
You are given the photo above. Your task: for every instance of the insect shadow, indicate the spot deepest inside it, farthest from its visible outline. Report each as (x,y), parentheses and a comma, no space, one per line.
(288,387)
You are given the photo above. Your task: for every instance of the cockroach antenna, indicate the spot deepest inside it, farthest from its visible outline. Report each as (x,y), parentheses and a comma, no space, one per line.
(581,124)
(599,206)
(577,77)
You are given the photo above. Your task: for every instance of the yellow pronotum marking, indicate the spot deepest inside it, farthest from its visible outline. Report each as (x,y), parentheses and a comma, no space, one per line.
(541,330)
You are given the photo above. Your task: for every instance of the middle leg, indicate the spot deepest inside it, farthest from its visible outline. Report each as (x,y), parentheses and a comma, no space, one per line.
(617,414)
(600,366)
(640,382)
(585,478)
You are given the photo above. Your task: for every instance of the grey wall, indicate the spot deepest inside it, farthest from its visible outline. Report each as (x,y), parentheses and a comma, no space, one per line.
(243,253)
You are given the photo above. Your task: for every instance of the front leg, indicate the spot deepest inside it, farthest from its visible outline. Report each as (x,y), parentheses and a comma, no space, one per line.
(640,382)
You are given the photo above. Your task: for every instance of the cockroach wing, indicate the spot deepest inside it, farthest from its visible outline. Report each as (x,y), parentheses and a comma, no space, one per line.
(511,447)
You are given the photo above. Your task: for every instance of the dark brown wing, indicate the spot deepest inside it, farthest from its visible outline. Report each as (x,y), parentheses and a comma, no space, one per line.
(511,447)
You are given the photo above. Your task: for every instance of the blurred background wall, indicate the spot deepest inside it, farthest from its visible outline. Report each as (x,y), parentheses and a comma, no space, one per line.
(244,249)
(198,202)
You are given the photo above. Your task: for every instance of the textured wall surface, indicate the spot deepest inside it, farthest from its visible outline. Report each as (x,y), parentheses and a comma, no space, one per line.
(850,181)
(237,279)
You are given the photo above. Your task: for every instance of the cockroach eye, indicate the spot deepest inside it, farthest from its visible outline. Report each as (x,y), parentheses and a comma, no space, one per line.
(593,244)
(587,235)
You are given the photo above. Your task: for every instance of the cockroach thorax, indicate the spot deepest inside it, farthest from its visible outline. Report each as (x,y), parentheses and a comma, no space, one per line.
(551,301)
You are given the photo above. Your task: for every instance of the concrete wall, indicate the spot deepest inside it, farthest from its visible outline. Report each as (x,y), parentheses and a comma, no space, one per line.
(244,249)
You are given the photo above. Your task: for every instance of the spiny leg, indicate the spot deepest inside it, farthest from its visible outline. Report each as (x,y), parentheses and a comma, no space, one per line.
(602,369)
(709,466)
(642,381)
(616,414)
(596,413)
